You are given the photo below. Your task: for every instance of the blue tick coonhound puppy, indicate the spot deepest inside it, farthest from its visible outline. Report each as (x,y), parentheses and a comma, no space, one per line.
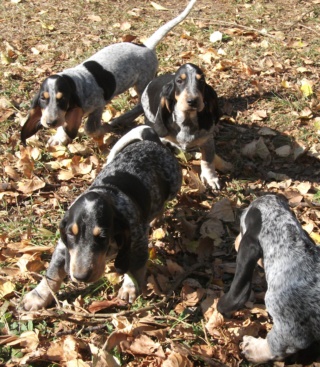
(183,109)
(269,230)
(83,91)
(113,214)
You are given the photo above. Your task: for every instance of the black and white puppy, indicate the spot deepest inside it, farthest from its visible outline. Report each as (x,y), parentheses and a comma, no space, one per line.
(183,109)
(115,211)
(269,230)
(83,91)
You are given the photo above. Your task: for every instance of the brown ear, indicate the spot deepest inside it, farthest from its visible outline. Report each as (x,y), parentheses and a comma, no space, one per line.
(73,121)
(32,125)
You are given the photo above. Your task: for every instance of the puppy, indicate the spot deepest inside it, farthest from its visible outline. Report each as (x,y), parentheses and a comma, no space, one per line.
(115,211)
(269,230)
(83,91)
(183,109)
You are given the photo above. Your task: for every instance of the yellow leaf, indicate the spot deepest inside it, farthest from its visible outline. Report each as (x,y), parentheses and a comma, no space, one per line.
(6,288)
(306,88)
(50,27)
(315,237)
(158,234)
(157,6)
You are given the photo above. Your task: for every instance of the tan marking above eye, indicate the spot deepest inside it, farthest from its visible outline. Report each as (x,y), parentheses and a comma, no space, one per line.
(96,231)
(183,76)
(59,95)
(75,229)
(46,95)
(198,76)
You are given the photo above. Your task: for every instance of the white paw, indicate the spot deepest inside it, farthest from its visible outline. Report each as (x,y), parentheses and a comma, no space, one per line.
(256,350)
(208,175)
(129,290)
(60,138)
(34,300)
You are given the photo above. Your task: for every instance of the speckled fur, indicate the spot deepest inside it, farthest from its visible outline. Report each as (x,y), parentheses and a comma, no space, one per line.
(126,196)
(292,267)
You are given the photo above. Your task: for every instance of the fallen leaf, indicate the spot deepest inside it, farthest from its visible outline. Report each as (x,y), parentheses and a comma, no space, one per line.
(27,186)
(95,18)
(216,37)
(157,6)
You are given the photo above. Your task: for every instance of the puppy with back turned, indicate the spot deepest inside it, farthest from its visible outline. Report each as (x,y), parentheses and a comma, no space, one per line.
(113,215)
(291,260)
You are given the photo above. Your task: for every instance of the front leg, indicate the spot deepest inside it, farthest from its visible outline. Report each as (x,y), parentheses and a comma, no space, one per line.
(94,127)
(41,296)
(256,350)
(208,172)
(132,285)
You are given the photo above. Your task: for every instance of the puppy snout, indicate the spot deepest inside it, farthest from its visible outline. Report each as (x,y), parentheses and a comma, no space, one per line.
(81,277)
(52,123)
(192,102)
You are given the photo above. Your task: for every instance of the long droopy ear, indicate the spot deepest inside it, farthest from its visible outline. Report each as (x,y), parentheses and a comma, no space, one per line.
(62,227)
(249,253)
(211,112)
(32,125)
(165,109)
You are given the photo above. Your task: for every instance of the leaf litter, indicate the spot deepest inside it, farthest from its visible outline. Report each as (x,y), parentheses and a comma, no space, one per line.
(265,71)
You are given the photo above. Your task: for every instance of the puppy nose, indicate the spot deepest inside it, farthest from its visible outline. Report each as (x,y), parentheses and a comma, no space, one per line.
(81,277)
(52,123)
(192,102)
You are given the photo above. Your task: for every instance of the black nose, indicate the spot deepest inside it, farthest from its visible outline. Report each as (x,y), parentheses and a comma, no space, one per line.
(52,123)
(192,102)
(82,277)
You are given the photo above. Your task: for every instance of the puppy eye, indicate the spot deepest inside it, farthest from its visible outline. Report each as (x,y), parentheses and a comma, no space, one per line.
(179,81)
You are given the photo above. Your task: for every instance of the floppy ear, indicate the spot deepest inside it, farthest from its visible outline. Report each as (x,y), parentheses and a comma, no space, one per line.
(165,109)
(123,239)
(249,253)
(62,228)
(32,125)
(73,121)
(211,112)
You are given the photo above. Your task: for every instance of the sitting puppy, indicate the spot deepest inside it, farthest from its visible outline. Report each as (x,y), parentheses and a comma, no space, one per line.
(269,230)
(125,197)
(183,109)
(83,91)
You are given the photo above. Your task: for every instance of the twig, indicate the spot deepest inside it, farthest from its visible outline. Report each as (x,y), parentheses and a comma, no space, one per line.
(310,29)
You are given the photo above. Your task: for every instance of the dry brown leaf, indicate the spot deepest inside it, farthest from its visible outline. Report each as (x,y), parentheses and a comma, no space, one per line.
(177,360)
(65,175)
(216,319)
(27,186)
(96,306)
(125,26)
(222,210)
(143,345)
(95,18)
(259,115)
(283,151)
(173,268)
(191,296)
(212,228)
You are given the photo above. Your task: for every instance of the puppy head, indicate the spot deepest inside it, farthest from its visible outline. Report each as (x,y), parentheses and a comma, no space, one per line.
(57,95)
(189,85)
(87,230)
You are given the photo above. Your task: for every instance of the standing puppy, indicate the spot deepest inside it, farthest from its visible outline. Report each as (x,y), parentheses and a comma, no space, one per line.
(183,109)
(65,98)
(269,230)
(115,211)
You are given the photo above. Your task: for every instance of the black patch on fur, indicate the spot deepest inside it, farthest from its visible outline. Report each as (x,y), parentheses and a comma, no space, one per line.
(132,187)
(104,78)
(66,84)
(249,253)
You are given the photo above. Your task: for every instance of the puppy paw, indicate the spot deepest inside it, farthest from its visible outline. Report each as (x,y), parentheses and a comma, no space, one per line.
(129,290)
(211,180)
(60,138)
(34,301)
(256,350)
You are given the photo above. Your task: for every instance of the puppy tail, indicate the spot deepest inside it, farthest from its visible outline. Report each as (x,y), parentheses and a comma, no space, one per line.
(139,133)
(159,34)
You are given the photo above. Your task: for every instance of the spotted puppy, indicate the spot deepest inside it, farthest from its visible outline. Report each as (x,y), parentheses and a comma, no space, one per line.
(65,98)
(269,230)
(116,210)
(183,109)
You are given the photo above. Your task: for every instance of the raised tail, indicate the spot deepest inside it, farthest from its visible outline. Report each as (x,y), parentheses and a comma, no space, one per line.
(157,36)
